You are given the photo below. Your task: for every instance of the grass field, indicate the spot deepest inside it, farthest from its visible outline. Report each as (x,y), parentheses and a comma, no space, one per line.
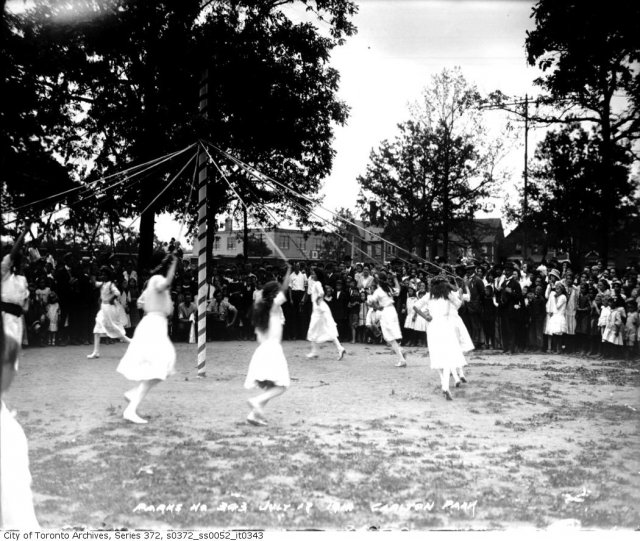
(531,441)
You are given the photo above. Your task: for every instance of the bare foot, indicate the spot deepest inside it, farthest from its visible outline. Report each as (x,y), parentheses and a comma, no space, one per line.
(256,408)
(252,419)
(133,417)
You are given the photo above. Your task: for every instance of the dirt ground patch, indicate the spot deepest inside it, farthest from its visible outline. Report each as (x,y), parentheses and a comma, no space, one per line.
(531,441)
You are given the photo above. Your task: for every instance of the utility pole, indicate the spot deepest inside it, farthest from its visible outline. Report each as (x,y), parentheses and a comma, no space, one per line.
(514,108)
(525,209)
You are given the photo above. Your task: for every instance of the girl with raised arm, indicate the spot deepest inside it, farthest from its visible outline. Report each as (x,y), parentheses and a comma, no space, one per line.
(108,322)
(150,357)
(322,327)
(268,369)
(382,296)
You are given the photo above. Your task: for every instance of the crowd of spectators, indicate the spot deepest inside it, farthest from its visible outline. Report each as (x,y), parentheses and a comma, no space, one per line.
(507,306)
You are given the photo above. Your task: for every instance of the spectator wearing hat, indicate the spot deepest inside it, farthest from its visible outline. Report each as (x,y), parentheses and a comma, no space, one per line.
(221,316)
(557,319)
(474,306)
(572,293)
(297,288)
(513,314)
(340,310)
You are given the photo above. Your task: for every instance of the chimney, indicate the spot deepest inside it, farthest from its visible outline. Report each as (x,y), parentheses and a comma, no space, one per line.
(373,210)
(228,224)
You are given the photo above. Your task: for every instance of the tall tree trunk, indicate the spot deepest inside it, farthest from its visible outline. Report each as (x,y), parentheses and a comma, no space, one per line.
(145,248)
(609,191)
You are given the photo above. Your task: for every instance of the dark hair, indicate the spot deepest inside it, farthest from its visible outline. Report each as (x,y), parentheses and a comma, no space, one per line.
(440,289)
(262,307)
(320,276)
(107,272)
(382,282)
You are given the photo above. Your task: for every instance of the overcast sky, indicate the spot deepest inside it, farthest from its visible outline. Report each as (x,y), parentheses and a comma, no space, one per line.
(400,44)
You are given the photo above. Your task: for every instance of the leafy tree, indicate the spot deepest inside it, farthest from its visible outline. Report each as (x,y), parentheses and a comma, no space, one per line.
(589,53)
(30,132)
(340,235)
(135,66)
(566,192)
(435,175)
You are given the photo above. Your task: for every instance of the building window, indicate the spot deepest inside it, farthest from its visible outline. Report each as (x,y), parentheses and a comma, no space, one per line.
(518,248)
(318,244)
(302,244)
(231,243)
(284,242)
(216,243)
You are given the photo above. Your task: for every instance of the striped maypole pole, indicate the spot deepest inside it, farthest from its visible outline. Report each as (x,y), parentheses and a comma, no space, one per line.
(202,237)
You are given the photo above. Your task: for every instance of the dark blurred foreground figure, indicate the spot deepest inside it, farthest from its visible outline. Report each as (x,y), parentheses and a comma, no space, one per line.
(15,479)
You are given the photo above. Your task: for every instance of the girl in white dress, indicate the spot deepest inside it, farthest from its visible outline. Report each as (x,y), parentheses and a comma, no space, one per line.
(108,321)
(420,325)
(389,324)
(466,344)
(268,368)
(322,327)
(411,318)
(15,478)
(150,357)
(445,351)
(557,318)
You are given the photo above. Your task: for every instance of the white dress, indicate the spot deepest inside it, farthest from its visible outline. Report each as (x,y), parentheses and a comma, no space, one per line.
(556,306)
(445,350)
(463,334)
(15,478)
(108,319)
(268,362)
(151,354)
(389,323)
(14,291)
(421,323)
(322,327)
(411,319)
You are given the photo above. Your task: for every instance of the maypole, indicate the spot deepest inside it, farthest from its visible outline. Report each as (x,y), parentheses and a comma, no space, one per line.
(202,236)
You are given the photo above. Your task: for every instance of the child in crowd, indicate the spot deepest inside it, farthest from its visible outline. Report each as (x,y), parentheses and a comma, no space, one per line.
(528,319)
(363,310)
(353,307)
(53,316)
(489,318)
(538,317)
(595,335)
(42,292)
(420,324)
(583,309)
(557,319)
(613,335)
(631,329)
(410,320)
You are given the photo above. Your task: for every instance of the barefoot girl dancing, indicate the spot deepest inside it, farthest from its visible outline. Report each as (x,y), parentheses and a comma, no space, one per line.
(150,357)
(108,320)
(268,368)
